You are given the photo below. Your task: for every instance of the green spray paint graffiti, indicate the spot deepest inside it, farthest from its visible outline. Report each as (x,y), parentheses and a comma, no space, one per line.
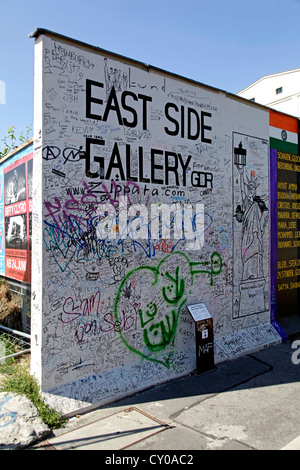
(155,296)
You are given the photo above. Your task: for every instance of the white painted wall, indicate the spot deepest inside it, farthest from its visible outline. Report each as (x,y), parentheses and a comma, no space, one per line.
(108,306)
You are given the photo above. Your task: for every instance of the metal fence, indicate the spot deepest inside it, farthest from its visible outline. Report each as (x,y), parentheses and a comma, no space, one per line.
(22,292)
(14,342)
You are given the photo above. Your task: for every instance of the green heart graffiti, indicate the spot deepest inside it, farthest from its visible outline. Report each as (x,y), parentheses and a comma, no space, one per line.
(156,296)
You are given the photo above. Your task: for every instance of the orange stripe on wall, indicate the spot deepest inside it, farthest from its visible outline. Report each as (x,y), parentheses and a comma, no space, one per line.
(288,123)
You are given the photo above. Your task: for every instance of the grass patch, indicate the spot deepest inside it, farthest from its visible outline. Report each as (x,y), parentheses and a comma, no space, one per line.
(7,347)
(16,378)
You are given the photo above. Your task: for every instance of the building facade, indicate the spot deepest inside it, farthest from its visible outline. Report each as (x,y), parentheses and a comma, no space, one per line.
(280,91)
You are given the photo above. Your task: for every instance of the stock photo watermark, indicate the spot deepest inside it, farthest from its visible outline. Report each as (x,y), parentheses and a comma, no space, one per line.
(158,221)
(296,354)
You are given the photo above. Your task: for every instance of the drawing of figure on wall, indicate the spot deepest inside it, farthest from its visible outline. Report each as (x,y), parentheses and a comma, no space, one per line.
(114,78)
(253,215)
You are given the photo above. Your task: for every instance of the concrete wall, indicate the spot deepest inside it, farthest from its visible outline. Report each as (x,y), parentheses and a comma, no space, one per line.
(118,144)
(285,221)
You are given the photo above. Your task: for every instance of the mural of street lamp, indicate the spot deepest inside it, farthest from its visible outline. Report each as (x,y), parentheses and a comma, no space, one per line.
(240,155)
(252,213)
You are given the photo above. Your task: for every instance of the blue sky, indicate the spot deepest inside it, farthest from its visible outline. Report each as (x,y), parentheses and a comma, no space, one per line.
(227,44)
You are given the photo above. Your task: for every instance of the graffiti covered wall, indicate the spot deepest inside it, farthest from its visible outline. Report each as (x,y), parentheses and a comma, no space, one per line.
(285,223)
(15,214)
(150,194)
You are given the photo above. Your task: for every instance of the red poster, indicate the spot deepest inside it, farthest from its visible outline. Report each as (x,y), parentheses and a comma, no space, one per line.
(17,218)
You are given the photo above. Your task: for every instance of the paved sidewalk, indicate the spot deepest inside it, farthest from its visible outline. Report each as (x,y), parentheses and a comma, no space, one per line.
(245,404)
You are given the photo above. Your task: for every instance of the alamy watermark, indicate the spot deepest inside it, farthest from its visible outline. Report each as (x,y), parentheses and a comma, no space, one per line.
(152,222)
(2,92)
(296,354)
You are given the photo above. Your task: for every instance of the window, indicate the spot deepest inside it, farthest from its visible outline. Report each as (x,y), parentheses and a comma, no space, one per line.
(278,90)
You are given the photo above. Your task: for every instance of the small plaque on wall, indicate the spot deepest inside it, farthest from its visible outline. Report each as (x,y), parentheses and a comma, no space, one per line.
(199,312)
